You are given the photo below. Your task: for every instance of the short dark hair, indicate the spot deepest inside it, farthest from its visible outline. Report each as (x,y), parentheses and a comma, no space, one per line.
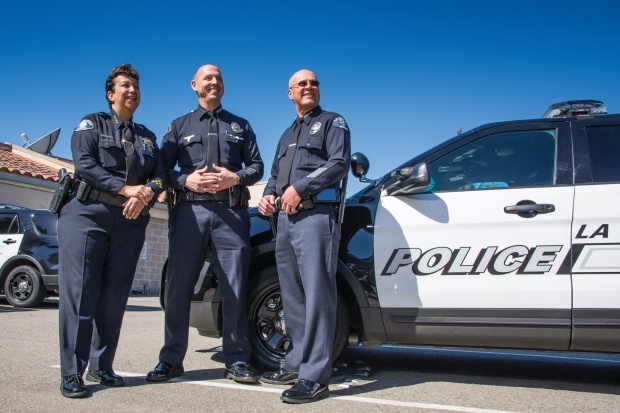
(124,69)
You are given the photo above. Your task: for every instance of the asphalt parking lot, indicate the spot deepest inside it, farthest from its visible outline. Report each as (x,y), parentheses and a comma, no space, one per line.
(377,379)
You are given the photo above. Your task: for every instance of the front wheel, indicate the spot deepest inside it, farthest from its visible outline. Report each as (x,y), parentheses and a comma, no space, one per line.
(23,287)
(267,325)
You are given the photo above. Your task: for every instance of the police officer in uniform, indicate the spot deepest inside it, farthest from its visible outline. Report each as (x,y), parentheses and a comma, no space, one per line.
(217,156)
(101,232)
(313,156)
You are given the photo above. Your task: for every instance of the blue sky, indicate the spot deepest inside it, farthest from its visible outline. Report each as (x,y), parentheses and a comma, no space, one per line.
(404,74)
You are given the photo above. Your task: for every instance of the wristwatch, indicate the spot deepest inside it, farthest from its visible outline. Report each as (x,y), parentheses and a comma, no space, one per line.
(238,180)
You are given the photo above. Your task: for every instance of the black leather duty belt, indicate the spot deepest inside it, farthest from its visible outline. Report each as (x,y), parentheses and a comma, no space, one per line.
(189,196)
(97,195)
(305,204)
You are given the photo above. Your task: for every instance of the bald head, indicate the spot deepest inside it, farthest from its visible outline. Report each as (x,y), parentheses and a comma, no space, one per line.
(206,68)
(209,86)
(303,90)
(301,75)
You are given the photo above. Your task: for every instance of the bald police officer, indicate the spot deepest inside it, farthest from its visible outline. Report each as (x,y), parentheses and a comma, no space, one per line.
(218,157)
(101,232)
(312,157)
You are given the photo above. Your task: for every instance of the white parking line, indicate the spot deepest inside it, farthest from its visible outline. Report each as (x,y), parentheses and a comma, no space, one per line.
(358,399)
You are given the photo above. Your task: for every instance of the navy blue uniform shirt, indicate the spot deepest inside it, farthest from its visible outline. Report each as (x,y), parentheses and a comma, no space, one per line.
(99,156)
(323,154)
(185,142)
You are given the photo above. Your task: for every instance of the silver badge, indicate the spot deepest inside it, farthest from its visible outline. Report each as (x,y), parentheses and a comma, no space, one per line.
(315,128)
(147,143)
(85,124)
(235,127)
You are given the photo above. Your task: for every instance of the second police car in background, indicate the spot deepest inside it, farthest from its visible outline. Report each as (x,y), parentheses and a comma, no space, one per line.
(506,236)
(28,255)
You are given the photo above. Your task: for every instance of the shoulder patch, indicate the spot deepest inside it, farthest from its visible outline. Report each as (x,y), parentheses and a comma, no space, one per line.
(339,122)
(85,124)
(168,129)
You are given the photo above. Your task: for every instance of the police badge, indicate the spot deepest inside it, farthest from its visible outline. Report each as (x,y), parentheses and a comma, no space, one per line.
(147,143)
(235,127)
(315,128)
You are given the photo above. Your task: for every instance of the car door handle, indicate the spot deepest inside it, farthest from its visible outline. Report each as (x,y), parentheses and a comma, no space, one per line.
(529,209)
(9,241)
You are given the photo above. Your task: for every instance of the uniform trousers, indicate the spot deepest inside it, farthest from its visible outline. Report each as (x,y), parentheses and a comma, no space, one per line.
(195,227)
(307,257)
(98,253)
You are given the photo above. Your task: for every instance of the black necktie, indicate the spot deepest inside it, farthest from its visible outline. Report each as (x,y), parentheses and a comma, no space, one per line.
(213,144)
(286,163)
(131,177)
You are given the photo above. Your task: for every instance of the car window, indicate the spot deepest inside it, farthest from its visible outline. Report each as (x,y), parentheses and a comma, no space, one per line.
(45,223)
(9,224)
(501,160)
(604,148)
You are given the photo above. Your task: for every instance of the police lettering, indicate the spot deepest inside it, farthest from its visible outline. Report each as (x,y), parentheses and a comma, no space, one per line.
(516,258)
(602,231)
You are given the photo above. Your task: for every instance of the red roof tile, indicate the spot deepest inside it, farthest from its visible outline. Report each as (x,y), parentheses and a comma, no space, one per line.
(14,163)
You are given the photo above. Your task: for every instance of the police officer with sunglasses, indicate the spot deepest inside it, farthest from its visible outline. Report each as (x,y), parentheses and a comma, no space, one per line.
(312,158)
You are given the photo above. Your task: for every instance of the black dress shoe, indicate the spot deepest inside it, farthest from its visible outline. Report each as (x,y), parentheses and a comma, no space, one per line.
(305,391)
(105,377)
(241,373)
(281,376)
(73,387)
(164,372)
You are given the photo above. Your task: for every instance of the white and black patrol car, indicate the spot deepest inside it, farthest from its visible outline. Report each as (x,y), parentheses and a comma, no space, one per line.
(28,255)
(506,236)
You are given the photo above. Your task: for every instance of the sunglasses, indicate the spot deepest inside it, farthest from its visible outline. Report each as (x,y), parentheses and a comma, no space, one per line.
(305,83)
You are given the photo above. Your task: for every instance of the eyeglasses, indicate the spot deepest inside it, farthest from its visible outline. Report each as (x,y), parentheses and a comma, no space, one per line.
(304,83)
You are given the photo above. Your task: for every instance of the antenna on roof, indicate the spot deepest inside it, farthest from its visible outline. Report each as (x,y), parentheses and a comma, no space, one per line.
(44,144)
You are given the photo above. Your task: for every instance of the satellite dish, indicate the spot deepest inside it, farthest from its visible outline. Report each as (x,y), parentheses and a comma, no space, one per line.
(44,144)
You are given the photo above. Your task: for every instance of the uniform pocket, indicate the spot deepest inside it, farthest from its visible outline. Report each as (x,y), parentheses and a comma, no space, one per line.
(311,150)
(282,151)
(111,153)
(191,150)
(148,159)
(233,147)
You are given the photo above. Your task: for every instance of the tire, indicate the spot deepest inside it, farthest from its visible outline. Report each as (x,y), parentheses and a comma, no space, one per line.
(23,287)
(267,326)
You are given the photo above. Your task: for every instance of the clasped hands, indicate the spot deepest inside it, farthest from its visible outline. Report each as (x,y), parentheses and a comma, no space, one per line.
(138,196)
(201,181)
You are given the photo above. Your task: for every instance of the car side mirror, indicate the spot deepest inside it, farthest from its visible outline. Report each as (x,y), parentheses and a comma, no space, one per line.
(360,166)
(410,180)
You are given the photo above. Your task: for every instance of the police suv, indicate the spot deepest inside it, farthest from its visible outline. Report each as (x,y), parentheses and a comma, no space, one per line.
(28,255)
(506,236)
